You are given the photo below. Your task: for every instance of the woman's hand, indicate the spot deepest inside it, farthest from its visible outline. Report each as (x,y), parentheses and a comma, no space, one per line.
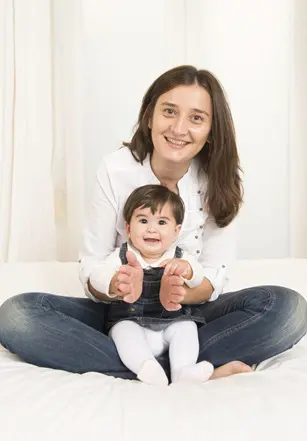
(177,267)
(127,283)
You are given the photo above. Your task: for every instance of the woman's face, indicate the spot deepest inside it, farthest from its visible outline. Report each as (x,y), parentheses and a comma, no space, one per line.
(181,123)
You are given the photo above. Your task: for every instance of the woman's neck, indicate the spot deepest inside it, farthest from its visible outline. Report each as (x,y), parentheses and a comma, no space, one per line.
(168,173)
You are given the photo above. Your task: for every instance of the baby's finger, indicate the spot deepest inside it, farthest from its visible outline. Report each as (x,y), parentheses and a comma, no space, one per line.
(164,262)
(180,271)
(167,269)
(175,268)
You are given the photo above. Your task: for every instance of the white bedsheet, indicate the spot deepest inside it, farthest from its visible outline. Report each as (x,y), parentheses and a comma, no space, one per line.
(43,404)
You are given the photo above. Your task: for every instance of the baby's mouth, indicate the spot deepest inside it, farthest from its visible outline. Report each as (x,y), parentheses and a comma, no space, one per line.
(150,240)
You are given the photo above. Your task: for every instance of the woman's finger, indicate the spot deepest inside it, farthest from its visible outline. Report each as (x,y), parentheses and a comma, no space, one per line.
(176,298)
(177,291)
(126,269)
(176,280)
(124,278)
(124,288)
(170,306)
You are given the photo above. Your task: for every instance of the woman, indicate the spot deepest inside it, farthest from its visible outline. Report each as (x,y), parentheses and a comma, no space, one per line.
(184,140)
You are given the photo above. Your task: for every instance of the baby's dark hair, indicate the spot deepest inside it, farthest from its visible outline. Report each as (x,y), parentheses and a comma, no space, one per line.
(154,197)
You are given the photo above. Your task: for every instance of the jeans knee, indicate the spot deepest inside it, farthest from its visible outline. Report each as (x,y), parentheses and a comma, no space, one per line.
(15,314)
(289,310)
(295,309)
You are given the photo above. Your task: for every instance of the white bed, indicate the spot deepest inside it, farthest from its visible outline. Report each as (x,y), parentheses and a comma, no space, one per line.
(44,404)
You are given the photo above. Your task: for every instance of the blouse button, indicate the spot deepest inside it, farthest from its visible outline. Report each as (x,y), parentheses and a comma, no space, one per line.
(201,209)
(201,226)
(198,192)
(197,251)
(196,237)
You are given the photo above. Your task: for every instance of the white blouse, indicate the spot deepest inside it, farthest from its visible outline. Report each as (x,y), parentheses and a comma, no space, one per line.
(117,176)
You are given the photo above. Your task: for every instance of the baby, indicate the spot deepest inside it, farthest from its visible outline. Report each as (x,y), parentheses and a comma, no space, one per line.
(144,329)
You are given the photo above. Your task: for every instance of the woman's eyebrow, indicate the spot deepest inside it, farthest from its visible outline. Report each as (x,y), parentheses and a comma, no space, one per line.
(167,103)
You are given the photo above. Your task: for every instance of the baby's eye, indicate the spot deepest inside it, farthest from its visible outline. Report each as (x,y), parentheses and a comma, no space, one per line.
(162,222)
(143,221)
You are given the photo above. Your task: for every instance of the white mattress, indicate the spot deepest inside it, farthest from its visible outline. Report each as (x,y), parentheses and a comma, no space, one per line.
(43,404)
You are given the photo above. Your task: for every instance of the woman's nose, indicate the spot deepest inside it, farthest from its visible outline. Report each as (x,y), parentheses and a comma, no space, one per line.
(180,126)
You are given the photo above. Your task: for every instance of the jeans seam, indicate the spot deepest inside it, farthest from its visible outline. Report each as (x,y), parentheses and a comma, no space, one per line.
(241,325)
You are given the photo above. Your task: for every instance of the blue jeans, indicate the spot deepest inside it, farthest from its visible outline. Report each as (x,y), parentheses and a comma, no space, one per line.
(67,333)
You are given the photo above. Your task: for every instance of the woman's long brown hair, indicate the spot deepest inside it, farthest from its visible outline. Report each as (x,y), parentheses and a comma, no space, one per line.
(219,156)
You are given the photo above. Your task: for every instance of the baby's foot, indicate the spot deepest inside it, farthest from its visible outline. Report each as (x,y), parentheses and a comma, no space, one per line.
(196,373)
(152,373)
(134,271)
(231,368)
(171,286)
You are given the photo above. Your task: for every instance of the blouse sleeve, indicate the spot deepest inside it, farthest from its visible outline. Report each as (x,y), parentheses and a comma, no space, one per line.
(99,234)
(219,250)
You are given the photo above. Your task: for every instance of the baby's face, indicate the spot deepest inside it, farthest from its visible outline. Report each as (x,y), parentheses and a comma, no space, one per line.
(153,234)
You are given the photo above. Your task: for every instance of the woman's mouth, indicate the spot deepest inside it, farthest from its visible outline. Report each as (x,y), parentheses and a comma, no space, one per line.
(176,142)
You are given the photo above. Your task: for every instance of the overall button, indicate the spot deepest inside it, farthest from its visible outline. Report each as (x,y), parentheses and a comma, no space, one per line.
(132,309)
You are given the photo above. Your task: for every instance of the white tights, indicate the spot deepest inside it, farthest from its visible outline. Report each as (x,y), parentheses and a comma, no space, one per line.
(138,346)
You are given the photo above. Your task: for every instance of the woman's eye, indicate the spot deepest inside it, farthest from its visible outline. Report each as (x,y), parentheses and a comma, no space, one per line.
(169,111)
(197,118)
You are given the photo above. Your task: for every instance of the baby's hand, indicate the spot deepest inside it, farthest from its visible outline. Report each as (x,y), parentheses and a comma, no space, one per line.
(177,267)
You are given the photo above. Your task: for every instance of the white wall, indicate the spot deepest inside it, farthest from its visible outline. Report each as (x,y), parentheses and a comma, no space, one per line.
(248,45)
(127,44)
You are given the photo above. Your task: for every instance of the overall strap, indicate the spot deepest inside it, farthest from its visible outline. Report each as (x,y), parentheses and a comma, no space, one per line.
(178,253)
(122,253)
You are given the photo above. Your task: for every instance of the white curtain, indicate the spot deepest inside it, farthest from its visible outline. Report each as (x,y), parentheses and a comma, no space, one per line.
(47,61)
(298,132)
(259,51)
(41,166)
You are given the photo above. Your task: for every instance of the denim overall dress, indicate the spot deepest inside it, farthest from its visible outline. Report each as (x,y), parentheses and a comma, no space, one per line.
(147,311)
